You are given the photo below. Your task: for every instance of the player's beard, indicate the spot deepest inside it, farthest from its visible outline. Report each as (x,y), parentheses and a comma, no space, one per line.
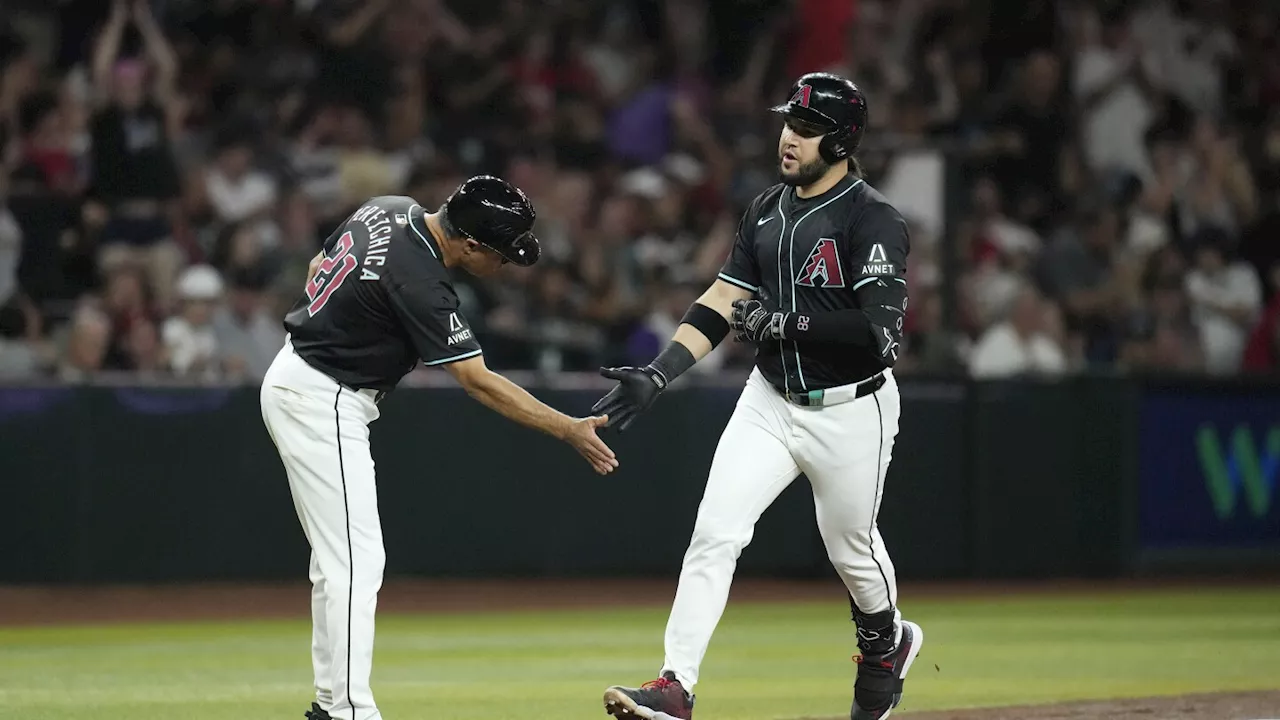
(807,174)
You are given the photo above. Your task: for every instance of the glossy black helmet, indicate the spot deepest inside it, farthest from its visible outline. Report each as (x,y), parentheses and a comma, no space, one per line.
(833,106)
(496,214)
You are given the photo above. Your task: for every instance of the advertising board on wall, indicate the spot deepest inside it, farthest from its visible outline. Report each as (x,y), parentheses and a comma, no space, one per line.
(1208,465)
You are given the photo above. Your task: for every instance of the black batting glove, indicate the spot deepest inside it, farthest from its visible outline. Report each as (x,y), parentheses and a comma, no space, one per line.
(636,390)
(753,321)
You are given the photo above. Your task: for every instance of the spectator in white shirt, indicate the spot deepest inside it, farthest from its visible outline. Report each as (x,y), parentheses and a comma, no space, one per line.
(1226,299)
(237,191)
(189,337)
(248,335)
(1021,344)
(1111,88)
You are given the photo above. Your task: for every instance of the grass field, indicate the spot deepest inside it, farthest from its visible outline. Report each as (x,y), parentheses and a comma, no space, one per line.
(767,661)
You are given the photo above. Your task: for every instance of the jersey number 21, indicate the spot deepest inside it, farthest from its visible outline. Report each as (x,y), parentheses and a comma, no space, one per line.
(332,271)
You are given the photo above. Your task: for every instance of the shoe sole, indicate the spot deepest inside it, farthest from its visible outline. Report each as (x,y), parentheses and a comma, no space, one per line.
(917,641)
(619,704)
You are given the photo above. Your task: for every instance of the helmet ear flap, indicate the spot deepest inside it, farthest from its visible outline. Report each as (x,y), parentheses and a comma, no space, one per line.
(834,146)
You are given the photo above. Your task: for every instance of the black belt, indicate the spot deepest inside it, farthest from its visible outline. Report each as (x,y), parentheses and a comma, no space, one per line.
(835,396)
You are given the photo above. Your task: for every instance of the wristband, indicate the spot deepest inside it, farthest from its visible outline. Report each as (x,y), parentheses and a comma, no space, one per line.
(674,359)
(710,323)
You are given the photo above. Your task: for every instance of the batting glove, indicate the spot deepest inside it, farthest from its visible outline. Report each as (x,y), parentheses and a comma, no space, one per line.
(636,390)
(752,321)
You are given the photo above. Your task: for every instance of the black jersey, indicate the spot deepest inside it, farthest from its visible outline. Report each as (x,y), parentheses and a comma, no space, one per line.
(381,301)
(812,255)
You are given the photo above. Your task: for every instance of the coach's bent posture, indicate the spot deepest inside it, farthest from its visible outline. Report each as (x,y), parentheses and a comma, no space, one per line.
(817,281)
(378,301)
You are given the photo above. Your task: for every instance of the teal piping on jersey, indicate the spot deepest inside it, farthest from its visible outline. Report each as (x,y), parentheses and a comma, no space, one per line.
(455,358)
(739,283)
(782,353)
(790,249)
(425,241)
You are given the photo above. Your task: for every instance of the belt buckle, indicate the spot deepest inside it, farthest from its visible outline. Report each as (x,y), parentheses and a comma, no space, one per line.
(812,398)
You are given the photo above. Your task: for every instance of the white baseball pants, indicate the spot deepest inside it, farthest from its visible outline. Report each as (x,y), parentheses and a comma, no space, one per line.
(843,449)
(321,430)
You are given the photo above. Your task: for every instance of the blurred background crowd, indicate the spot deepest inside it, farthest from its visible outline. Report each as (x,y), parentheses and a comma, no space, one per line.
(1110,199)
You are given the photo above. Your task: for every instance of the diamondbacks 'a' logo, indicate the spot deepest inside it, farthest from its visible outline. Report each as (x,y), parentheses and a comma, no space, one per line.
(822,269)
(801,97)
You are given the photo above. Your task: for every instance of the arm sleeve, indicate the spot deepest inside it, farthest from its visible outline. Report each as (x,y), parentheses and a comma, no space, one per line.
(428,310)
(741,267)
(881,306)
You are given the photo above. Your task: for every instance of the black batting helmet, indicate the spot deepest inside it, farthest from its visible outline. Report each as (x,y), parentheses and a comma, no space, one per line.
(496,214)
(834,106)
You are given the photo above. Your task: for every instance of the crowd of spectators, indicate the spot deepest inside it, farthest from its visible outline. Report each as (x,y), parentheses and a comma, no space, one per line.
(169,167)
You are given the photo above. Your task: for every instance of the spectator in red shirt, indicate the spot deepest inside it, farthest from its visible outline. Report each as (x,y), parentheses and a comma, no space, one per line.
(821,29)
(1262,354)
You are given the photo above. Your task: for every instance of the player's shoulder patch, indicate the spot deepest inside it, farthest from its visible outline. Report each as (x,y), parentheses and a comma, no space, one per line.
(881,240)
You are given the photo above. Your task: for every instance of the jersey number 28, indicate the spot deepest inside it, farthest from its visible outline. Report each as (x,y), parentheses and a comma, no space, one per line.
(332,271)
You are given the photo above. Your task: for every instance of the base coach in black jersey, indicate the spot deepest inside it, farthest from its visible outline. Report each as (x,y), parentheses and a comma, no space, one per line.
(816,280)
(378,301)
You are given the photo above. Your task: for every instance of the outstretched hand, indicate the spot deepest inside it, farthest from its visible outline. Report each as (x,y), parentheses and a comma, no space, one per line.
(581,434)
(636,390)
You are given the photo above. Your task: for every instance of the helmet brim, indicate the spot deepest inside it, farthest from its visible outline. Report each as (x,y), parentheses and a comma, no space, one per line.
(523,251)
(806,114)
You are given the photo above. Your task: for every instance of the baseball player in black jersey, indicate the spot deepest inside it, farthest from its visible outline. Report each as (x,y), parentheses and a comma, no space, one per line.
(378,301)
(816,280)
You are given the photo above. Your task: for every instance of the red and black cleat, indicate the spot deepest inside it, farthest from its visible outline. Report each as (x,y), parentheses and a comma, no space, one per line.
(878,689)
(665,695)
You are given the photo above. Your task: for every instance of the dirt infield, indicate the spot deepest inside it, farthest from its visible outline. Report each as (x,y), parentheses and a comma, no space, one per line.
(1219,706)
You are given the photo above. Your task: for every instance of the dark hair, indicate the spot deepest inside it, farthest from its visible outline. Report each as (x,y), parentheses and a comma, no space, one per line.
(1212,237)
(254,278)
(445,225)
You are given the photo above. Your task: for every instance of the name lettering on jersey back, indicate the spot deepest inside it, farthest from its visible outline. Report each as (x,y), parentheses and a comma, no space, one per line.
(378,223)
(877,262)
